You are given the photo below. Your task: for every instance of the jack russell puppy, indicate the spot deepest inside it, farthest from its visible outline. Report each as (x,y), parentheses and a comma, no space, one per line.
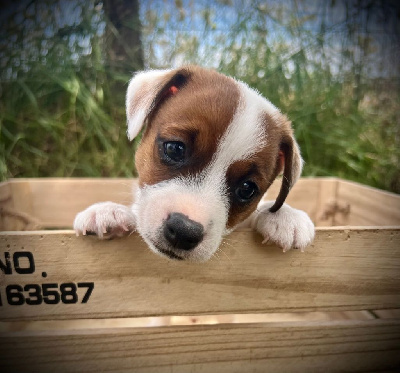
(211,148)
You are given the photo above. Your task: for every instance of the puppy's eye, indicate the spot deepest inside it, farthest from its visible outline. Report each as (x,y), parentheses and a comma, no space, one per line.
(174,151)
(246,191)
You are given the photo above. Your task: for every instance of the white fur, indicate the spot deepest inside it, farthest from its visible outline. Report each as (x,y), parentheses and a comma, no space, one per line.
(105,219)
(193,197)
(287,227)
(136,115)
(246,133)
(254,96)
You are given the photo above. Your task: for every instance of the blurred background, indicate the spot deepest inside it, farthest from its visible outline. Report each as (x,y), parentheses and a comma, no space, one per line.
(332,66)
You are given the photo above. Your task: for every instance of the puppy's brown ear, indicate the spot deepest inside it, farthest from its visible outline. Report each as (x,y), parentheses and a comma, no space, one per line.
(145,92)
(293,164)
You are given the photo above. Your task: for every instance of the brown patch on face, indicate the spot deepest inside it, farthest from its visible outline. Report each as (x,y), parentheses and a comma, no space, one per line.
(262,168)
(197,115)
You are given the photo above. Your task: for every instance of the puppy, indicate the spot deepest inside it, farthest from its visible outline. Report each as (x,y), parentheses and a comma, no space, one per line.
(210,149)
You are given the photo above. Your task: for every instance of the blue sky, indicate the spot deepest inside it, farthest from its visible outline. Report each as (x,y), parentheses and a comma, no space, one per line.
(382,25)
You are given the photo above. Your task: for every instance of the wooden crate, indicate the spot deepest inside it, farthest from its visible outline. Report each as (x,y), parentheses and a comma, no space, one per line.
(71,304)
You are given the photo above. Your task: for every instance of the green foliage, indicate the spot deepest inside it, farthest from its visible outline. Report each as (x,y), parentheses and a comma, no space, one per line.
(57,115)
(324,74)
(60,114)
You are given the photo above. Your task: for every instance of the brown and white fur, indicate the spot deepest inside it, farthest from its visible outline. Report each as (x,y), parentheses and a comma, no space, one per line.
(228,142)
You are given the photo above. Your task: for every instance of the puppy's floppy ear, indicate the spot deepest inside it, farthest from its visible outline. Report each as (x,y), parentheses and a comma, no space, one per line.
(293,164)
(145,92)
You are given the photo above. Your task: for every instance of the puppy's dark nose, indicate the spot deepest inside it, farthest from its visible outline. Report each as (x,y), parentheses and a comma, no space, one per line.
(182,232)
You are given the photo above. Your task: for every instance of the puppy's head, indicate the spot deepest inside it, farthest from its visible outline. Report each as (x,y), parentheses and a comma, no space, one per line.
(211,147)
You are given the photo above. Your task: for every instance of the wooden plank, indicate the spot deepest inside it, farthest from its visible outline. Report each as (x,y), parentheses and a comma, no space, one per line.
(368,206)
(22,198)
(326,199)
(293,347)
(344,269)
(303,196)
(55,202)
(388,314)
(16,208)
(129,322)
(7,222)
(5,194)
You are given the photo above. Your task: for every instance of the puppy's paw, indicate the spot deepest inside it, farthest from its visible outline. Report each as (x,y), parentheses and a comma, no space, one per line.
(287,227)
(106,220)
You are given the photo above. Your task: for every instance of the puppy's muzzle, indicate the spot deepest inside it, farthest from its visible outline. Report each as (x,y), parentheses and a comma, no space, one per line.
(181,232)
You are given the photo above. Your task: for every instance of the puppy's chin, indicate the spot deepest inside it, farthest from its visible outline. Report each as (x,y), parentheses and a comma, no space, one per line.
(157,202)
(199,254)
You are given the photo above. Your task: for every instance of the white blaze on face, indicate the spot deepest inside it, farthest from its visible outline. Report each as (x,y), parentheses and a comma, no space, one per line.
(246,135)
(203,198)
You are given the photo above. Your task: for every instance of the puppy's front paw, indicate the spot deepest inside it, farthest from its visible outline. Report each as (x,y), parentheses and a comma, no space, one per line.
(287,227)
(106,220)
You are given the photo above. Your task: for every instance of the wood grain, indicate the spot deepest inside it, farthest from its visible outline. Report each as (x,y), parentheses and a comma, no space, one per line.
(284,347)
(326,197)
(55,202)
(6,202)
(368,206)
(304,195)
(344,269)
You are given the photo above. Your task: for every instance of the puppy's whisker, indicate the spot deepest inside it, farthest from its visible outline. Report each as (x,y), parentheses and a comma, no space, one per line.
(227,256)
(234,241)
(225,242)
(216,256)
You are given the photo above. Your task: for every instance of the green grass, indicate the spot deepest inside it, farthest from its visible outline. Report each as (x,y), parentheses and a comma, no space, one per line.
(61,117)
(67,130)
